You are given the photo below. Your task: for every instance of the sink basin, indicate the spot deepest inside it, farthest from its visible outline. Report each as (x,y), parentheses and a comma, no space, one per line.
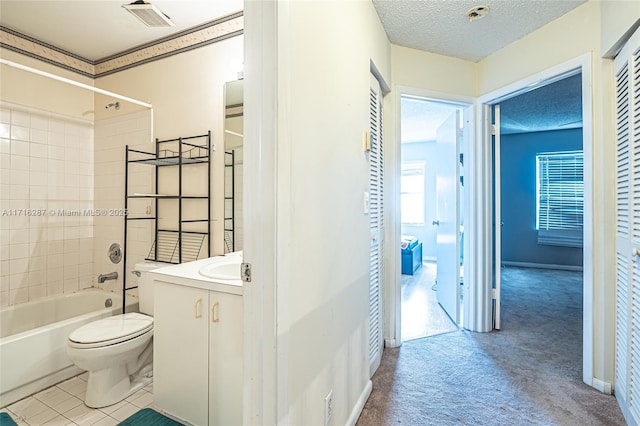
(225,270)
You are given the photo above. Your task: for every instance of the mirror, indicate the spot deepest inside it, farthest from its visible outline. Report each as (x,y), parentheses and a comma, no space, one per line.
(233,141)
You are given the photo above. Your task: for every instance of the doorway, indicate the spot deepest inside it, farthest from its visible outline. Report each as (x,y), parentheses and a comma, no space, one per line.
(486,303)
(431,182)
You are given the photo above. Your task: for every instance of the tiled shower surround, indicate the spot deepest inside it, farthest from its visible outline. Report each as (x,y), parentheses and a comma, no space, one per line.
(46,186)
(57,175)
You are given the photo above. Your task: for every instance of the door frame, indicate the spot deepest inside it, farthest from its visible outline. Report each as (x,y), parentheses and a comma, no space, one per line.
(483,239)
(393,263)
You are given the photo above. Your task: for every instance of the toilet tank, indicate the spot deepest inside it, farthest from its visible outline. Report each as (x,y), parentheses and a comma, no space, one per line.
(145,285)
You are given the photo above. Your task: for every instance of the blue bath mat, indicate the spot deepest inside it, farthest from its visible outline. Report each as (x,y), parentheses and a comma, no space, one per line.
(6,420)
(148,417)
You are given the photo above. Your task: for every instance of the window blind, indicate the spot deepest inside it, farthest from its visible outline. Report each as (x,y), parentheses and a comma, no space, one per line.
(560,198)
(412,193)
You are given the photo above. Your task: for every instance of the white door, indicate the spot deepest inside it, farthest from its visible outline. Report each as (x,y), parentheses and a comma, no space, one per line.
(376,215)
(497,218)
(627,348)
(448,137)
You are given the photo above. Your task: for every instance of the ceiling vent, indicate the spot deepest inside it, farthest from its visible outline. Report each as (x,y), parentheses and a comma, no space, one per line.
(150,15)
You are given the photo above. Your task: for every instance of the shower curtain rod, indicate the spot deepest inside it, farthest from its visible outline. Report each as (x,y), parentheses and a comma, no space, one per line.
(73,83)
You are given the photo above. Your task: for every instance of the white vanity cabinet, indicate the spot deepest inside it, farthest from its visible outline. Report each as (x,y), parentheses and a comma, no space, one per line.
(197,353)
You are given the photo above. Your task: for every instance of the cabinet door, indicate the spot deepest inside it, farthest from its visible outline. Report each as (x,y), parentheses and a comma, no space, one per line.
(225,359)
(180,355)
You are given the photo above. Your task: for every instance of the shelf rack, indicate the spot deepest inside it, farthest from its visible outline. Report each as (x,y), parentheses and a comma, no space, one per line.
(229,201)
(171,245)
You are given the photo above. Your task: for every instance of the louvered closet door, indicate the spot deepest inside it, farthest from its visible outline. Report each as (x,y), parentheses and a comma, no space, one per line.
(627,74)
(376,210)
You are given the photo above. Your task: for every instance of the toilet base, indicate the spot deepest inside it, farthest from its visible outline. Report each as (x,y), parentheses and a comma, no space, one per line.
(110,386)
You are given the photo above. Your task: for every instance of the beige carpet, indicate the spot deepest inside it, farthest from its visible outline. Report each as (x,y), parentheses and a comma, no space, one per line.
(529,373)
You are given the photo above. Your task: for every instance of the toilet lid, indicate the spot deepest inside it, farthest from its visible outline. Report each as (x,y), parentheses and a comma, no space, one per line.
(112,330)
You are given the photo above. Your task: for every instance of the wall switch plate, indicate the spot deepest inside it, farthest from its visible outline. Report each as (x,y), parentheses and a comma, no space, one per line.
(367,202)
(328,407)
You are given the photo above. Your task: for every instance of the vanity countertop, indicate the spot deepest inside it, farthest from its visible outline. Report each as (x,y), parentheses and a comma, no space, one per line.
(188,274)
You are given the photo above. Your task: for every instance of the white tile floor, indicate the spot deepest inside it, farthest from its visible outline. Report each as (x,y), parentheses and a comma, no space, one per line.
(62,405)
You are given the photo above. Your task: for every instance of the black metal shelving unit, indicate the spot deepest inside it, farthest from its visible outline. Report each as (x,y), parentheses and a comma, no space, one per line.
(229,201)
(172,245)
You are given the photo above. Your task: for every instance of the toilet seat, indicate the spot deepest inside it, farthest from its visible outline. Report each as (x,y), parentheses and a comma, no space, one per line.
(111,330)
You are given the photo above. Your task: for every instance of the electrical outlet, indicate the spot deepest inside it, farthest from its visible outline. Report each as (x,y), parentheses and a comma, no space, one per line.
(328,407)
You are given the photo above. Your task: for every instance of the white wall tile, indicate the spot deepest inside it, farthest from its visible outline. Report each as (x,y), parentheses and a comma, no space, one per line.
(19,147)
(39,122)
(19,192)
(5,161)
(18,296)
(5,145)
(55,287)
(20,133)
(38,150)
(19,162)
(5,130)
(21,118)
(5,115)
(56,125)
(71,285)
(18,281)
(18,251)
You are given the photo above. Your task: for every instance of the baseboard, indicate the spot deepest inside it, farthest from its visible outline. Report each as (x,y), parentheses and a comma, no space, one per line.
(602,386)
(357,409)
(542,266)
(391,343)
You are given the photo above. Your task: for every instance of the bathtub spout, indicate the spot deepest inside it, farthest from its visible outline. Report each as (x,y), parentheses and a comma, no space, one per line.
(111,276)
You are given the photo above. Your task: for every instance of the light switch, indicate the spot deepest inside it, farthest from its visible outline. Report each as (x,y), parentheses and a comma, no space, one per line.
(366,202)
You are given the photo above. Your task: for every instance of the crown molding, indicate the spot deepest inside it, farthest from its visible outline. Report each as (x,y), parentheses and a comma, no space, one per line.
(193,38)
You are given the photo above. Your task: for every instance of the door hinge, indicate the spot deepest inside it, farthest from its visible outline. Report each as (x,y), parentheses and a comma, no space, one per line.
(246,272)
(493,130)
(494,294)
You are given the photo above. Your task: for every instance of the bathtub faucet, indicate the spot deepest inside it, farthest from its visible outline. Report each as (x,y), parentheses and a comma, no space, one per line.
(105,277)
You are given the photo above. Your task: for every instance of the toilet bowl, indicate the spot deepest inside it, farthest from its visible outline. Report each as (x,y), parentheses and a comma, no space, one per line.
(117,351)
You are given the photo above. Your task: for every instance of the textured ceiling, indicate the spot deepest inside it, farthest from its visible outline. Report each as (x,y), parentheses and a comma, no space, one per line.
(556,106)
(441,26)
(99,28)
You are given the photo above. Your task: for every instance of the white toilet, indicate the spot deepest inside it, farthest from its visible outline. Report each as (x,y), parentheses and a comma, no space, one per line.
(117,351)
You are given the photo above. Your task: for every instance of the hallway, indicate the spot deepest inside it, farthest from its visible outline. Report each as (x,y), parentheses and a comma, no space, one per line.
(529,373)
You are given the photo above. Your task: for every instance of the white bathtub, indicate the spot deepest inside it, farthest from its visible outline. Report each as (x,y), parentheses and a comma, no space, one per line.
(33,339)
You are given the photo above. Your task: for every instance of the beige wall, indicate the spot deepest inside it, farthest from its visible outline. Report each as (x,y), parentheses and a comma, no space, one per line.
(433,72)
(618,18)
(539,51)
(322,176)
(24,88)
(186,92)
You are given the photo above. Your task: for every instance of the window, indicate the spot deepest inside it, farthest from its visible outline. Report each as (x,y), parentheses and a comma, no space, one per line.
(412,193)
(560,198)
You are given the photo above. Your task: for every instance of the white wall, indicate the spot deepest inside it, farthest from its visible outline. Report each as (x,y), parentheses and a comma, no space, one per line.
(323,235)
(186,92)
(539,51)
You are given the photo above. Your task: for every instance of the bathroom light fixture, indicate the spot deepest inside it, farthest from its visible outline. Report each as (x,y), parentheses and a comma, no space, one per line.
(150,15)
(477,12)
